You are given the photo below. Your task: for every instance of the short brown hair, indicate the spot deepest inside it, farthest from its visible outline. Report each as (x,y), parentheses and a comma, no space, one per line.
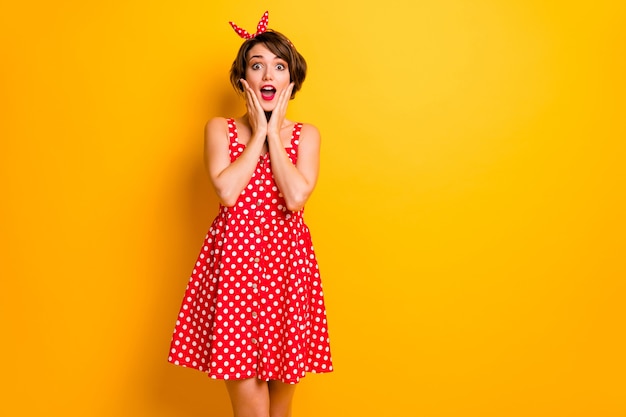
(280,46)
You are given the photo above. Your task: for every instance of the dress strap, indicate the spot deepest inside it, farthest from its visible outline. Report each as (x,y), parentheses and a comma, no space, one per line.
(232,131)
(295,136)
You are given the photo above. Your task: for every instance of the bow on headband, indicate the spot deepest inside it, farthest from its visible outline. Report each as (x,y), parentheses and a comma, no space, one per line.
(261,28)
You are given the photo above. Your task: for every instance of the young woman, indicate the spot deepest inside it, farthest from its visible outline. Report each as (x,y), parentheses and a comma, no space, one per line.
(253,312)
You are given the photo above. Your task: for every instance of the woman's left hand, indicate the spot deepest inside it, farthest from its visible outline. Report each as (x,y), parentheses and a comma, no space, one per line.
(280,111)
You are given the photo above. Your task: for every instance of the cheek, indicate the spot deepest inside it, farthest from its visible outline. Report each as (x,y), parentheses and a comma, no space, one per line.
(249,73)
(285,77)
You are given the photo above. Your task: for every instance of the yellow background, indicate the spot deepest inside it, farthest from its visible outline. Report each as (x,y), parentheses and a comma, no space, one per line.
(469,218)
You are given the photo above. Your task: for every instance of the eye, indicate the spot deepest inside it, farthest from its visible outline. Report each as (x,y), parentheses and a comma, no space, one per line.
(281,67)
(256,66)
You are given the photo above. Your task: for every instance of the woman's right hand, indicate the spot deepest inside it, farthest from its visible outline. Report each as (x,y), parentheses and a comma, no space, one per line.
(256,115)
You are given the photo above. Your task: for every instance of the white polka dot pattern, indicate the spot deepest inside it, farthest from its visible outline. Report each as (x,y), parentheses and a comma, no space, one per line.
(254,305)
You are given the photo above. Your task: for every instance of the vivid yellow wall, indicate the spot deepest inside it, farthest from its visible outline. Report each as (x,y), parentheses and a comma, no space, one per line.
(469,218)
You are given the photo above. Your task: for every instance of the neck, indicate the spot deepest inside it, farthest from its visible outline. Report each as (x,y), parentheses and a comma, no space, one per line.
(268,115)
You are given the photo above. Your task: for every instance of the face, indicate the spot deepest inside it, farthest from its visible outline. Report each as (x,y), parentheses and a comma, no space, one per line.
(267,75)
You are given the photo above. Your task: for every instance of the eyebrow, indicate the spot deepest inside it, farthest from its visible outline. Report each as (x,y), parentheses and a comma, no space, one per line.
(261,57)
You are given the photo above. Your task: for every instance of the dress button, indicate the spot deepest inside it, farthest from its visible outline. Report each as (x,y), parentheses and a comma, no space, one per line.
(257,260)
(257,230)
(255,286)
(253,340)
(254,315)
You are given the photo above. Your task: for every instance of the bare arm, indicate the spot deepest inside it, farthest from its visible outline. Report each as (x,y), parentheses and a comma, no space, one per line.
(296,182)
(229,179)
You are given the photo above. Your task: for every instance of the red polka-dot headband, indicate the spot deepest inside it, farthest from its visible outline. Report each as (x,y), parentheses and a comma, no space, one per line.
(261,28)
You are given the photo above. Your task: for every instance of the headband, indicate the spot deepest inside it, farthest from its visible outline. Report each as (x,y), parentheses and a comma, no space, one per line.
(261,28)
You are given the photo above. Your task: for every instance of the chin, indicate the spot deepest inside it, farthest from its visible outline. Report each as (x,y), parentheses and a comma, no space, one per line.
(268,107)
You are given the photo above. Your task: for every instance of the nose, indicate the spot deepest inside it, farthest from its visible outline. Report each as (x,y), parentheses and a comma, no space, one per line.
(267,74)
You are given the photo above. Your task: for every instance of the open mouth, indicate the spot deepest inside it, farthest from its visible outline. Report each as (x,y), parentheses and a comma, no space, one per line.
(268,92)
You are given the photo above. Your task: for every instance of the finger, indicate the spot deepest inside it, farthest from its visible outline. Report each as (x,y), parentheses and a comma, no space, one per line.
(245,86)
(283,100)
(256,105)
(287,94)
(280,104)
(255,111)
(247,90)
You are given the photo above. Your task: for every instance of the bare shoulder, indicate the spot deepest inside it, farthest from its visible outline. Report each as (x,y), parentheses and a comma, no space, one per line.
(310,134)
(215,126)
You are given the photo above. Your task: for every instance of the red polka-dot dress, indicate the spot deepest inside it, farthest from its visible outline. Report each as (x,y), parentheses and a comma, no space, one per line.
(254,305)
